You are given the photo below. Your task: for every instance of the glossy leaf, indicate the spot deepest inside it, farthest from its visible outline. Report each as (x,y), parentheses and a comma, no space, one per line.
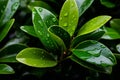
(36,57)
(41,17)
(29,29)
(93,24)
(107,3)
(110,34)
(83,5)
(61,33)
(5,29)
(5,69)
(39,4)
(69,16)
(8,54)
(94,53)
(87,65)
(115,24)
(118,47)
(9,11)
(96,35)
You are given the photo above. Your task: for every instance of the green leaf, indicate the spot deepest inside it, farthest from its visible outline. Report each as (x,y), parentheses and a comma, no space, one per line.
(5,29)
(29,29)
(8,54)
(94,53)
(42,20)
(36,57)
(9,11)
(31,5)
(115,24)
(110,34)
(83,5)
(107,3)
(69,16)
(85,64)
(93,24)
(118,47)
(5,69)
(3,4)
(96,35)
(61,33)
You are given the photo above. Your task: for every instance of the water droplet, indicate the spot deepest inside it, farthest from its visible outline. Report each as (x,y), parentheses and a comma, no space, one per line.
(40,9)
(14,6)
(65,24)
(102,46)
(40,33)
(60,18)
(54,20)
(41,24)
(48,35)
(94,42)
(66,14)
(72,5)
(95,53)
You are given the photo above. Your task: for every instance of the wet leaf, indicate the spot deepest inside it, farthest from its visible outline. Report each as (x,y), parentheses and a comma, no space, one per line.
(6,69)
(94,53)
(9,11)
(48,39)
(8,54)
(96,35)
(36,57)
(110,34)
(29,29)
(43,4)
(83,5)
(61,33)
(5,29)
(93,24)
(69,16)
(115,24)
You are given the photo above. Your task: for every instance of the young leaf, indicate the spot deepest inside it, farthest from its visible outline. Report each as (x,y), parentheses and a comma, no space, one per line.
(5,29)
(8,54)
(93,24)
(115,24)
(83,5)
(110,34)
(29,29)
(61,33)
(9,11)
(69,16)
(36,57)
(94,53)
(5,69)
(96,35)
(41,19)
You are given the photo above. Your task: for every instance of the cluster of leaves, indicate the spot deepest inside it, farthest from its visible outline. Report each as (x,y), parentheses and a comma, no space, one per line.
(61,38)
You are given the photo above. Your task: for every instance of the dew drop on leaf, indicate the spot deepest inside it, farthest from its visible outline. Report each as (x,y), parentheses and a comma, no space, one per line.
(66,14)
(41,24)
(14,6)
(40,9)
(65,24)
(53,19)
